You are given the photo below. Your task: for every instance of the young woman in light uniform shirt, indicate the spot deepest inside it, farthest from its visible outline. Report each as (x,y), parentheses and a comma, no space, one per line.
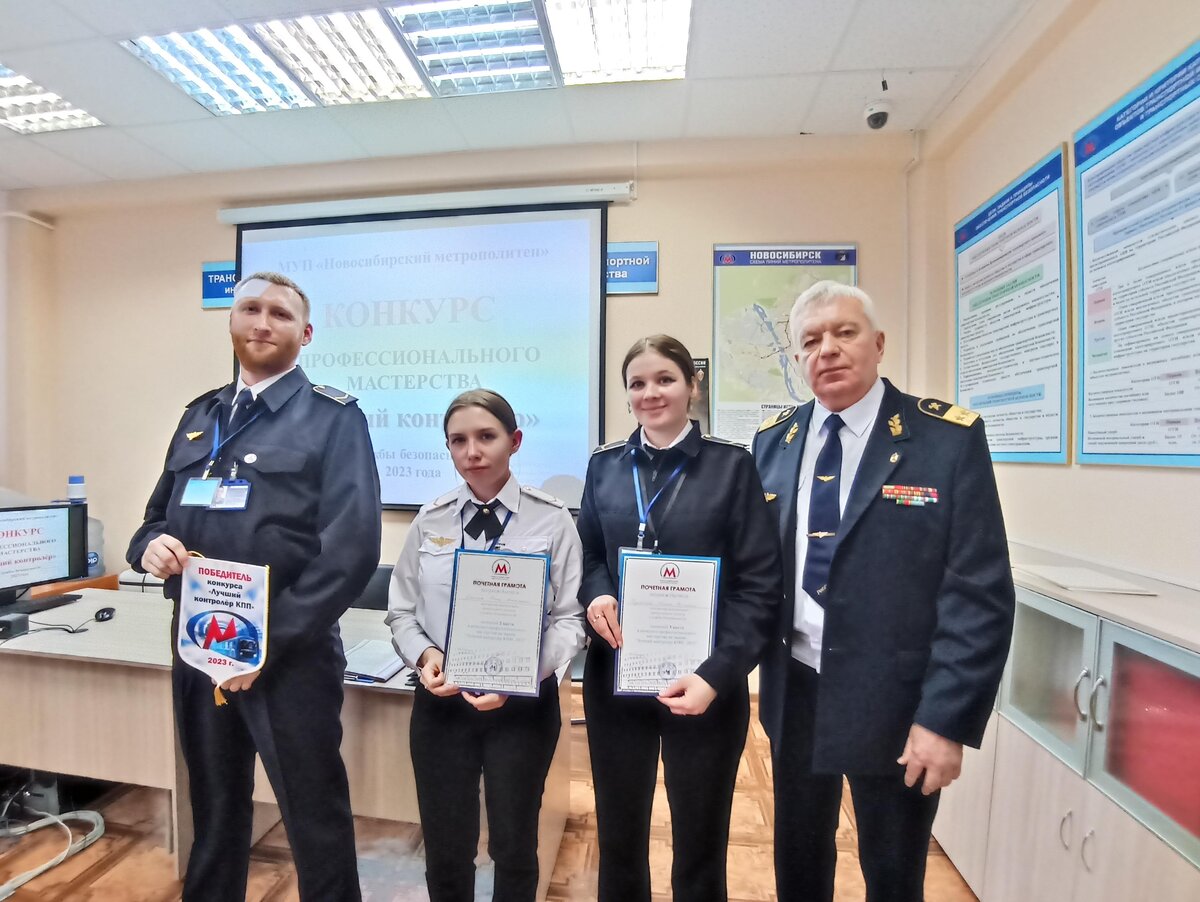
(455,735)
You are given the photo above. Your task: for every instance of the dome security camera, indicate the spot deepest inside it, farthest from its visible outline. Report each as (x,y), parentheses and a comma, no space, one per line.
(876,113)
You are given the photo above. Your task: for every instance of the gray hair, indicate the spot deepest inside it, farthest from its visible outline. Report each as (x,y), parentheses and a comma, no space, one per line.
(826,292)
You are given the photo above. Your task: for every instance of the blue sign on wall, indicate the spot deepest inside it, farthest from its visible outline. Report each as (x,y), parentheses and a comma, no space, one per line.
(631,267)
(219,281)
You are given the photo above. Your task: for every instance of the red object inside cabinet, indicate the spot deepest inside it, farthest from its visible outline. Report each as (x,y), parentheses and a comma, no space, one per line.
(1154,734)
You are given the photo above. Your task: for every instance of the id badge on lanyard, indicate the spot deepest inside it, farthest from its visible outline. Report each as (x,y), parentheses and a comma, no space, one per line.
(212,492)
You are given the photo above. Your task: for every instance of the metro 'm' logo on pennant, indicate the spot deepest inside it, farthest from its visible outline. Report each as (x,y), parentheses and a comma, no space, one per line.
(500,568)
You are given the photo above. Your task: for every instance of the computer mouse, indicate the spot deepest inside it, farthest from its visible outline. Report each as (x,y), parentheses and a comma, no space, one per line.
(105,614)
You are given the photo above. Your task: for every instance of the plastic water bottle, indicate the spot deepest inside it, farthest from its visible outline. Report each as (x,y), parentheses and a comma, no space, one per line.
(77,494)
(76,490)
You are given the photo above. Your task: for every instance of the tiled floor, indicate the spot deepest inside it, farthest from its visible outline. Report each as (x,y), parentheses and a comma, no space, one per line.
(131,864)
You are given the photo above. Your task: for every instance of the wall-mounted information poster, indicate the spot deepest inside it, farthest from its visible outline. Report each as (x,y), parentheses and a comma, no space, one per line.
(1137,197)
(754,287)
(1011,302)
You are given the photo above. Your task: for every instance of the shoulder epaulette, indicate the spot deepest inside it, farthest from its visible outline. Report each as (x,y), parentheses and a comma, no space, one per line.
(722,441)
(951,413)
(617,444)
(203,397)
(334,394)
(542,496)
(443,499)
(776,419)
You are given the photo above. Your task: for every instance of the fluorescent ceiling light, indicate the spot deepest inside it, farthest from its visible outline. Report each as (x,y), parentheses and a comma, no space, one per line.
(474,48)
(620,40)
(401,50)
(344,57)
(28,108)
(222,68)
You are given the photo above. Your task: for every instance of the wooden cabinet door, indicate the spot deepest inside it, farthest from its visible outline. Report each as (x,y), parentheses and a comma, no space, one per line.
(1035,826)
(1119,859)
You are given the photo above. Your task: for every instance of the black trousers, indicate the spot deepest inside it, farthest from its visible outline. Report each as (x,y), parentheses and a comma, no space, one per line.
(700,761)
(893,820)
(292,717)
(451,745)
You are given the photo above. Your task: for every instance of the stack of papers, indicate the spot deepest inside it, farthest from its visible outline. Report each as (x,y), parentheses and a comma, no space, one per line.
(372,661)
(1084,579)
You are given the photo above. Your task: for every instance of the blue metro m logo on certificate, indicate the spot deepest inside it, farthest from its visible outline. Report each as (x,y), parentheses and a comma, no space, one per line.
(223,618)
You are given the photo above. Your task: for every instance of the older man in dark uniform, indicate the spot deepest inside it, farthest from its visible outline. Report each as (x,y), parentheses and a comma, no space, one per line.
(898,604)
(306,504)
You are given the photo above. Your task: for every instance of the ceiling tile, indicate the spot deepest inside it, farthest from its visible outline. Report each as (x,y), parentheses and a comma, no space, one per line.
(133,18)
(199,146)
(258,10)
(111,152)
(739,106)
(400,128)
(25,24)
(919,34)
(646,111)
(764,37)
(511,118)
(43,168)
(295,136)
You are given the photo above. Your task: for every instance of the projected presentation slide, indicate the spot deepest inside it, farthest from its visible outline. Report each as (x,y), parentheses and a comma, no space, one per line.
(1010,260)
(408,313)
(33,546)
(1138,208)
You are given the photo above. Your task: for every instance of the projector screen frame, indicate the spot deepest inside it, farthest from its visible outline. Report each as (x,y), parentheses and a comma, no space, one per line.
(596,427)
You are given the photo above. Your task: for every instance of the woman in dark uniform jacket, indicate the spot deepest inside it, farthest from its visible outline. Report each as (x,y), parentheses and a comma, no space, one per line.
(714,508)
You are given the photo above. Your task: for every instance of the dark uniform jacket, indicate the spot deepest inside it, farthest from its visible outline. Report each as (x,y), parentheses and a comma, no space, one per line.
(313,514)
(919,610)
(719,511)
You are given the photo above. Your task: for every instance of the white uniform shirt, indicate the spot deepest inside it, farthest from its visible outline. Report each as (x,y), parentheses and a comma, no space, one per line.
(419,594)
(808,617)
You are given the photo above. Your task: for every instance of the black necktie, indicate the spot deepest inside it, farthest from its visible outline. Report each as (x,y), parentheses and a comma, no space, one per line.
(824,512)
(485,521)
(241,410)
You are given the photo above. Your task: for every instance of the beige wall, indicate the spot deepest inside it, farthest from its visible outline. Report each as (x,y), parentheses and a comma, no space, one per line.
(112,341)
(1089,54)
(102,352)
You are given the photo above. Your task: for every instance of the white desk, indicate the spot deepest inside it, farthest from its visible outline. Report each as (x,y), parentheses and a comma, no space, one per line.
(98,704)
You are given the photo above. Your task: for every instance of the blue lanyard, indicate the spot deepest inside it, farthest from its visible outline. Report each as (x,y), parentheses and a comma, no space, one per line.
(462,533)
(643,508)
(218,444)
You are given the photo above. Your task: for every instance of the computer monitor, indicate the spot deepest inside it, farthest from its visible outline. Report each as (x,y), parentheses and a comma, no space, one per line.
(41,544)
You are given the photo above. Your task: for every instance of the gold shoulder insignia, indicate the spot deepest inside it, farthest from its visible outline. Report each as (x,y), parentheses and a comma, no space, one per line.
(334,394)
(776,419)
(192,436)
(951,413)
(770,496)
(617,444)
(542,496)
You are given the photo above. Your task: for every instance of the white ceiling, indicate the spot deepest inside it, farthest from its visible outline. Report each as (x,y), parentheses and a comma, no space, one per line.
(755,68)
